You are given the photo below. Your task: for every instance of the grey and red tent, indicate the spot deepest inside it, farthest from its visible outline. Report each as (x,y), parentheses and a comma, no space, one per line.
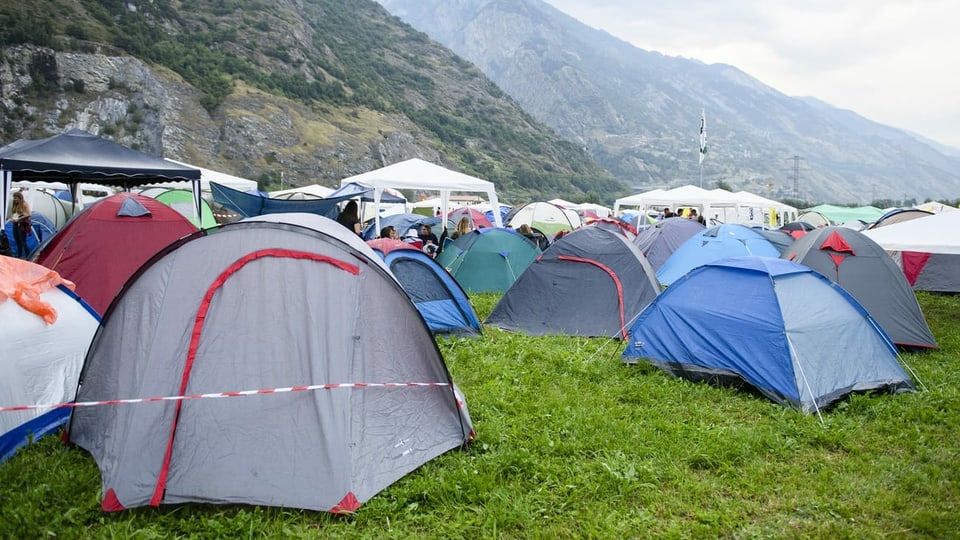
(348,391)
(859,265)
(591,282)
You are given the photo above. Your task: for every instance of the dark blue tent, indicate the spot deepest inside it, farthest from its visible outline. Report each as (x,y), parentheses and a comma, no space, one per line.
(778,326)
(437,296)
(591,282)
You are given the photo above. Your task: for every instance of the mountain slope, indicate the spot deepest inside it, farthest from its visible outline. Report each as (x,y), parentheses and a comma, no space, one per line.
(296,91)
(638,111)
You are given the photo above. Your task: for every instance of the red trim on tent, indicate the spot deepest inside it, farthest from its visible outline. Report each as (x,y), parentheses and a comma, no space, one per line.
(111,503)
(913,263)
(616,281)
(349,503)
(837,243)
(837,261)
(198,327)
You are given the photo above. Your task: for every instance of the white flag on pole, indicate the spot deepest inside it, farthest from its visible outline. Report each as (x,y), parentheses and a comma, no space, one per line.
(703,134)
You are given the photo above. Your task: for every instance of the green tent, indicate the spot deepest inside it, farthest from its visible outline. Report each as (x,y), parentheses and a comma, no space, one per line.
(181,200)
(488,260)
(838,215)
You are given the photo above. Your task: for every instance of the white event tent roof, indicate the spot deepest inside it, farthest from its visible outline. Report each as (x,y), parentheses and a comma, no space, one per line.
(939,233)
(419,174)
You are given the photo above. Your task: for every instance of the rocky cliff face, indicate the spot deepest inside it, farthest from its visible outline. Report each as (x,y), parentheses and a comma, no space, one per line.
(253,134)
(638,112)
(299,91)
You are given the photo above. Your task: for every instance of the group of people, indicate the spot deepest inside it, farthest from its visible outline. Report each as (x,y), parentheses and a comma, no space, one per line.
(689,213)
(349,217)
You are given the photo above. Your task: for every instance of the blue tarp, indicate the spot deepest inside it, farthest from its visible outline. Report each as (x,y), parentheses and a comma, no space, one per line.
(249,205)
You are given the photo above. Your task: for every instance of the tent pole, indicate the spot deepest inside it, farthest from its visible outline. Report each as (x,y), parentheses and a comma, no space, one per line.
(7,177)
(377,193)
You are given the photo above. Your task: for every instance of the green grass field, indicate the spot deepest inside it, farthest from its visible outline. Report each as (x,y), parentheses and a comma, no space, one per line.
(572,443)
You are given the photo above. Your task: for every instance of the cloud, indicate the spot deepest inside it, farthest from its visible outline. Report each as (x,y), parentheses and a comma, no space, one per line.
(888,60)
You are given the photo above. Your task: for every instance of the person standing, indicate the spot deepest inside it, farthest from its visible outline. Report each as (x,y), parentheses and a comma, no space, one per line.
(350,217)
(21,224)
(463,228)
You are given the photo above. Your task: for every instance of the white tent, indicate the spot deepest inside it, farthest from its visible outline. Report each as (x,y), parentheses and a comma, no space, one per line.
(752,200)
(936,207)
(599,209)
(419,174)
(939,233)
(313,189)
(741,207)
(721,205)
(638,200)
(224,179)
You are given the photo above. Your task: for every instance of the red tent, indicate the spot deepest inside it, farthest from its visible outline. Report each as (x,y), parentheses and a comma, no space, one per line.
(477,218)
(106,243)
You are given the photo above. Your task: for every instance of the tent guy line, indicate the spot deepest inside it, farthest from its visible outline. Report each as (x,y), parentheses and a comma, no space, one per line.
(241,393)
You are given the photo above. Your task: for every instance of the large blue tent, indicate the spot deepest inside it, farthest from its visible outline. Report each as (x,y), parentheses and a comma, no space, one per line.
(776,325)
(712,244)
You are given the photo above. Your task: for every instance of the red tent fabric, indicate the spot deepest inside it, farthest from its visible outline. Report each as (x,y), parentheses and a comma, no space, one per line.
(106,243)
(477,218)
(386,245)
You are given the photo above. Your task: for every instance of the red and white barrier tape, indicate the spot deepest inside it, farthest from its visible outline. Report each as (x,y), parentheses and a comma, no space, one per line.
(220,395)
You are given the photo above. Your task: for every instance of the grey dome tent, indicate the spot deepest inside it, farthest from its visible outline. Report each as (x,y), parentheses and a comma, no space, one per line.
(859,265)
(591,282)
(660,240)
(262,305)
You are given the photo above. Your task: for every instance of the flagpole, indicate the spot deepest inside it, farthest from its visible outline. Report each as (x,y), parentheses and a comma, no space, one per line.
(703,141)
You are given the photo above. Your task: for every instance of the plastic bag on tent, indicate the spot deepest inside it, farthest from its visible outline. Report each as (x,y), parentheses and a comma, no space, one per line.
(24,282)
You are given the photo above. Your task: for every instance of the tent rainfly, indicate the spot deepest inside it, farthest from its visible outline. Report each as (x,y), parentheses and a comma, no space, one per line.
(375,399)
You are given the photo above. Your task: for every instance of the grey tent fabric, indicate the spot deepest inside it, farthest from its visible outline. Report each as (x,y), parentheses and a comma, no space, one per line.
(131,207)
(859,265)
(275,302)
(660,240)
(591,282)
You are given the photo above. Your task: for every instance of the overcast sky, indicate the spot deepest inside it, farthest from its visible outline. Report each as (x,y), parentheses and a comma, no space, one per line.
(892,61)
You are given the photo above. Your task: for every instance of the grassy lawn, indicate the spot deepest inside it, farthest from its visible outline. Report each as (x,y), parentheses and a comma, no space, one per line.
(574,444)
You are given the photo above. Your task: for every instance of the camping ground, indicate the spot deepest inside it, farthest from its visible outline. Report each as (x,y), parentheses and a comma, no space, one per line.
(572,443)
